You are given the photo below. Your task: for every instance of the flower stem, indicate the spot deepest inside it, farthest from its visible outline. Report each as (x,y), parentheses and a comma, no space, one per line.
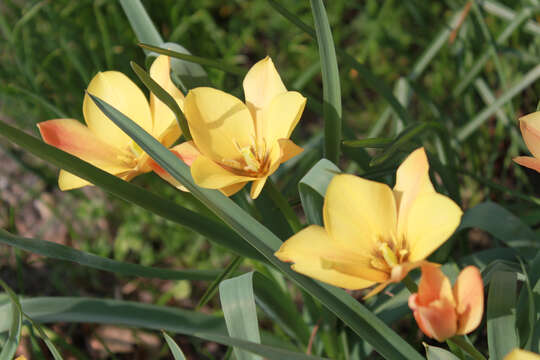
(283,205)
(460,341)
(410,284)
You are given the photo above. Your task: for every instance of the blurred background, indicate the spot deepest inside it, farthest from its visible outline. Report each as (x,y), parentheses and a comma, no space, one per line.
(49,51)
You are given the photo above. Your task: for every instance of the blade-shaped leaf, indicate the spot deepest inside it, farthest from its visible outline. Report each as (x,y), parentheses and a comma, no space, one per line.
(62,252)
(167,209)
(225,274)
(14,325)
(238,305)
(348,309)
(140,22)
(501,315)
(312,189)
(331,82)
(437,353)
(175,349)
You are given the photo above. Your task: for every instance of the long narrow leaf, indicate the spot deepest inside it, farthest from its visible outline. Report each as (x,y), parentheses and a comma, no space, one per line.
(175,349)
(167,209)
(214,286)
(349,310)
(62,252)
(15,325)
(140,22)
(331,82)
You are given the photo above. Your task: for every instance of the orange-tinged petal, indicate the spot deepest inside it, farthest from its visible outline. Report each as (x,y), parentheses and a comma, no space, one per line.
(432,219)
(288,149)
(469,295)
(434,285)
(187,152)
(305,250)
(528,161)
(412,180)
(530,130)
(120,92)
(220,124)
(262,84)
(279,118)
(162,116)
(518,354)
(73,137)
(437,321)
(68,181)
(358,213)
(207,174)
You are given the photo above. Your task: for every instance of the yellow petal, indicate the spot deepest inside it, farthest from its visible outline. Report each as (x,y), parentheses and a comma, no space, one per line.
(288,149)
(219,123)
(73,137)
(256,187)
(170,135)
(306,248)
(162,116)
(530,129)
(232,189)
(358,213)
(528,161)
(280,117)
(261,84)
(187,152)
(432,219)
(207,174)
(518,354)
(412,180)
(119,91)
(68,181)
(469,294)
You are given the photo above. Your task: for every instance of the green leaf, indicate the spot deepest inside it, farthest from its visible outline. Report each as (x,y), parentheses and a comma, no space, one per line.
(140,22)
(215,231)
(534,280)
(175,349)
(265,351)
(368,143)
(164,96)
(238,305)
(62,252)
(50,345)
(225,274)
(330,80)
(437,353)
(236,70)
(187,74)
(526,308)
(14,326)
(312,188)
(500,223)
(501,315)
(350,311)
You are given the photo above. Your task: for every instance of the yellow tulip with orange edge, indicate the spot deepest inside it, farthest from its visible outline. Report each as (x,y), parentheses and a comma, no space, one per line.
(530,130)
(442,311)
(235,142)
(373,234)
(101,142)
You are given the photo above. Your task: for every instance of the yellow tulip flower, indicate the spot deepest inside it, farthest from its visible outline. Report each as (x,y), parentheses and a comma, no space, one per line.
(101,142)
(235,142)
(373,234)
(518,354)
(530,130)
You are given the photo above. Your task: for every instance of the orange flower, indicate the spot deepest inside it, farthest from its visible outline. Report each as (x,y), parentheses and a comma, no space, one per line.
(530,130)
(442,312)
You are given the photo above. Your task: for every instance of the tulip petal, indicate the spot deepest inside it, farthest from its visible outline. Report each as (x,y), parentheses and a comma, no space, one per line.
(162,116)
(437,321)
(529,162)
(257,186)
(187,152)
(530,130)
(220,124)
(262,84)
(358,213)
(412,180)
(207,174)
(120,92)
(232,189)
(469,294)
(518,354)
(68,181)
(431,221)
(288,149)
(279,118)
(434,285)
(306,248)
(73,137)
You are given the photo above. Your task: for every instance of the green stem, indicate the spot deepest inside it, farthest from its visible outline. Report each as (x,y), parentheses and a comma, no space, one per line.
(410,284)
(283,205)
(460,341)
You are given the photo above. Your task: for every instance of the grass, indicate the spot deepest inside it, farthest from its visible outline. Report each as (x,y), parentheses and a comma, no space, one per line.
(51,49)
